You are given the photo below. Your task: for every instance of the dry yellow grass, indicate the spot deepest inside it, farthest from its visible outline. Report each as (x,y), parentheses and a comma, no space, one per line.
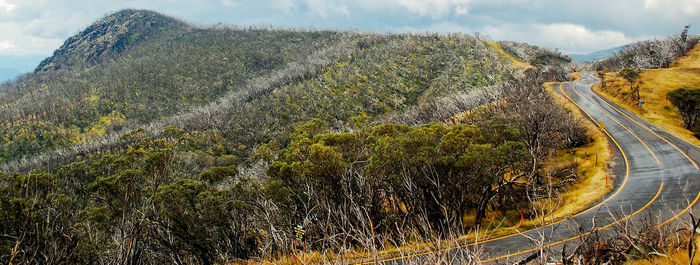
(655,84)
(674,258)
(515,62)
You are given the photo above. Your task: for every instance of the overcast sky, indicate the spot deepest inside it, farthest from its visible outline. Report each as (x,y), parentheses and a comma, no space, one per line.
(37,27)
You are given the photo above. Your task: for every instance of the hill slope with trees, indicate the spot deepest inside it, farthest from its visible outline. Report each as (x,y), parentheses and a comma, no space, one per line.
(148,140)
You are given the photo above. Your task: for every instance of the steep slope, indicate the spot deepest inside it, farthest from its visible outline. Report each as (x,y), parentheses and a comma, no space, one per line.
(142,67)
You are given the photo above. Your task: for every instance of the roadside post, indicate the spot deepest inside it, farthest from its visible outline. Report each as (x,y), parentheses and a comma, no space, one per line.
(299,236)
(596,157)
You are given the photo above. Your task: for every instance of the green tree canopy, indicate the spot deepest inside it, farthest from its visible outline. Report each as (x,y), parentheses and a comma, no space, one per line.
(631,76)
(687,101)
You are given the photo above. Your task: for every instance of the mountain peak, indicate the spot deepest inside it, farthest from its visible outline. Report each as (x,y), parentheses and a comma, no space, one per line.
(109,37)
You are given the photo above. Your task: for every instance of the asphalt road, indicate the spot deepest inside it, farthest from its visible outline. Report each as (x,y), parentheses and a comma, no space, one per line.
(656,177)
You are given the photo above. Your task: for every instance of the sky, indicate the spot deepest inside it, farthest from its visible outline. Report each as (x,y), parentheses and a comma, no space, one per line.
(35,28)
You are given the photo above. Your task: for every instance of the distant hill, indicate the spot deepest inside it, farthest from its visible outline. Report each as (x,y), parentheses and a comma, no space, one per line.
(13,65)
(595,56)
(8,73)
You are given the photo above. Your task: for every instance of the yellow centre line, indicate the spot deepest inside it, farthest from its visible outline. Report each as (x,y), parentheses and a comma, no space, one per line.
(584,234)
(624,182)
(605,100)
(677,215)
(616,121)
(648,129)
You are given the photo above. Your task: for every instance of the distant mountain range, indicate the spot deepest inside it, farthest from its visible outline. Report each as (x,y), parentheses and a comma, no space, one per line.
(8,73)
(12,66)
(595,56)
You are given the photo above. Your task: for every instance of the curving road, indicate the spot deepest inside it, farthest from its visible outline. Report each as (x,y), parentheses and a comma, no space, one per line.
(657,175)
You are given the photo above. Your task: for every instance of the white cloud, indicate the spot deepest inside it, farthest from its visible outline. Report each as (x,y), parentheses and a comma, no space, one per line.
(324,8)
(230,3)
(568,37)
(285,5)
(7,6)
(461,10)
(22,43)
(424,8)
(39,43)
(433,8)
(5,45)
(55,23)
(442,27)
(671,7)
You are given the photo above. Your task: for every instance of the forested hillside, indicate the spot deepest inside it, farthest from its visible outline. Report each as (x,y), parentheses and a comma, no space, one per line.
(172,70)
(148,140)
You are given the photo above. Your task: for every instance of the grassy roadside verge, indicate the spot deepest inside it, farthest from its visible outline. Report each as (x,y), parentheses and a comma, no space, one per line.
(654,85)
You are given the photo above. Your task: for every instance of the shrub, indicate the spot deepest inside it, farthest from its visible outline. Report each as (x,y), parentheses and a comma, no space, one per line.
(686,101)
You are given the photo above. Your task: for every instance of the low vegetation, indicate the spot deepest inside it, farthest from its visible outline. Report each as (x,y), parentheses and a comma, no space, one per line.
(252,79)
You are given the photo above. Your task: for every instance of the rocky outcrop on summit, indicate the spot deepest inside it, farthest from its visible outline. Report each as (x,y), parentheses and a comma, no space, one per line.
(109,37)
